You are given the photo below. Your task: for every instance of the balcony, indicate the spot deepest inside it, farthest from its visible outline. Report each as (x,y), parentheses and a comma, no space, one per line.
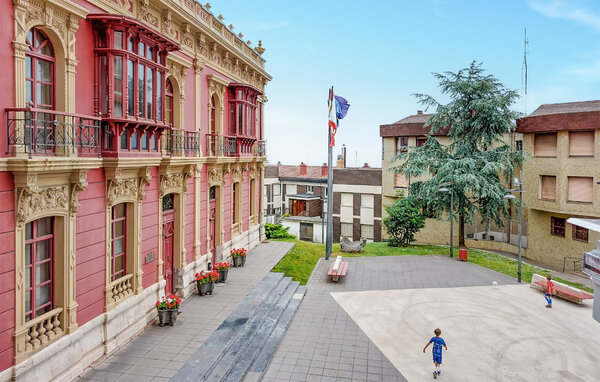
(181,143)
(40,132)
(234,146)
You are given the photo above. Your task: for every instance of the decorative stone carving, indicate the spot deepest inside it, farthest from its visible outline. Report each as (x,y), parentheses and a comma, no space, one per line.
(75,189)
(145,179)
(352,246)
(252,173)
(171,183)
(121,189)
(32,200)
(216,177)
(236,174)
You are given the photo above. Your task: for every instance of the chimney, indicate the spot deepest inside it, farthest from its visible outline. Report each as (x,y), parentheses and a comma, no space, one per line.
(324,169)
(419,112)
(366,165)
(302,168)
(344,154)
(340,161)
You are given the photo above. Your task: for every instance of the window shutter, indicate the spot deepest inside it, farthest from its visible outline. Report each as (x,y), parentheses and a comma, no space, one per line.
(580,189)
(400,180)
(545,145)
(548,187)
(581,143)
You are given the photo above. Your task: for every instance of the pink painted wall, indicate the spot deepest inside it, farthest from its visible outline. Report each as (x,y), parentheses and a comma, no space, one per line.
(188,230)
(203,210)
(150,225)
(245,201)
(190,91)
(227,210)
(84,76)
(90,248)
(7,269)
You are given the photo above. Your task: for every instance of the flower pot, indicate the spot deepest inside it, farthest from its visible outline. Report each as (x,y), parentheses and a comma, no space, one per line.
(164,317)
(243,260)
(237,261)
(206,288)
(222,276)
(173,313)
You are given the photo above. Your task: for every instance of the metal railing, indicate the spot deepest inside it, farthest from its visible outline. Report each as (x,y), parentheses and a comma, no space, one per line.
(51,132)
(233,146)
(509,233)
(181,143)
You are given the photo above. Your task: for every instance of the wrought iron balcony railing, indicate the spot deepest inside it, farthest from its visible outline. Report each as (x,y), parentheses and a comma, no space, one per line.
(50,132)
(181,143)
(233,146)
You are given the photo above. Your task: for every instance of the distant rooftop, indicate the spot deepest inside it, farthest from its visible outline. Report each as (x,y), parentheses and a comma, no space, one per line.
(416,118)
(567,107)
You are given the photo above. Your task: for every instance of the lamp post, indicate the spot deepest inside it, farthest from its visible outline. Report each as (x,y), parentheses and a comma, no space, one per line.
(444,189)
(511,196)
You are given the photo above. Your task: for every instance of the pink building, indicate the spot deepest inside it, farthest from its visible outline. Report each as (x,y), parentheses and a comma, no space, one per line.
(132,159)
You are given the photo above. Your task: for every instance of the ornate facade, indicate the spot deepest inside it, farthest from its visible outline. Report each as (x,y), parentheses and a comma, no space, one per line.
(115,192)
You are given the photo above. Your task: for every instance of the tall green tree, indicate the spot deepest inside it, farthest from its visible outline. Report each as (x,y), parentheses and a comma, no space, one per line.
(477,161)
(403,221)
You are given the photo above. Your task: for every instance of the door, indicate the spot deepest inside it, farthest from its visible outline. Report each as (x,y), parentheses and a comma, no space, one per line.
(168,233)
(212,222)
(306,231)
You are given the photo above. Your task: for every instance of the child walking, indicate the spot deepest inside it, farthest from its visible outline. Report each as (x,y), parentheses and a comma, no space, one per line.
(437,342)
(549,291)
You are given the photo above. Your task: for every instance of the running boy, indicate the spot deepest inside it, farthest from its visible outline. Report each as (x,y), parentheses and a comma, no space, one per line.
(438,342)
(549,291)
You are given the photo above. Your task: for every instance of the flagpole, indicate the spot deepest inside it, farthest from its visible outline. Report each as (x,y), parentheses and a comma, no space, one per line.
(329,194)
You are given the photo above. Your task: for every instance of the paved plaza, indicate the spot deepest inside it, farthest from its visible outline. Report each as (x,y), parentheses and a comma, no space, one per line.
(373,324)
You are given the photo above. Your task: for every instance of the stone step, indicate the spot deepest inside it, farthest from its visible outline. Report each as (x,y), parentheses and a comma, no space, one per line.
(246,333)
(262,359)
(256,344)
(207,356)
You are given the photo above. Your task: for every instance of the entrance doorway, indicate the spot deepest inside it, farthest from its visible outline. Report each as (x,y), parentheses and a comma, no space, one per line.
(168,234)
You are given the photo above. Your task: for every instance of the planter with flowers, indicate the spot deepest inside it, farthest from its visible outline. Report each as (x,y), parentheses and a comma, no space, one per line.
(223,269)
(205,282)
(168,308)
(239,257)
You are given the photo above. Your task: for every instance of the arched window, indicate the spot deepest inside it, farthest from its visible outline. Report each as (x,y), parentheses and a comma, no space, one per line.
(39,71)
(39,267)
(169,104)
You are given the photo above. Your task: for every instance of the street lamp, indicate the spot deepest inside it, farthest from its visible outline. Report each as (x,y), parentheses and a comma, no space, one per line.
(511,196)
(444,189)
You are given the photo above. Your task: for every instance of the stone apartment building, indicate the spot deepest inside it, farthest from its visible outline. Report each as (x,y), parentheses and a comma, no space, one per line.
(560,179)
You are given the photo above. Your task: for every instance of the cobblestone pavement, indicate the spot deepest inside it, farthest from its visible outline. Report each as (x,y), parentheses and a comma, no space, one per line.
(324,344)
(157,353)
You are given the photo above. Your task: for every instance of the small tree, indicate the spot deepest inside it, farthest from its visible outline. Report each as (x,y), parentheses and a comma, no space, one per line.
(403,221)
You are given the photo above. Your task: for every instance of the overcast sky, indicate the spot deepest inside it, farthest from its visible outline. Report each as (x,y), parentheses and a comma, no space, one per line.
(378,53)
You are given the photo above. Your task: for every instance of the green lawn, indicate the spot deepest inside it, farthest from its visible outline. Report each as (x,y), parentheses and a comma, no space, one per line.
(301,260)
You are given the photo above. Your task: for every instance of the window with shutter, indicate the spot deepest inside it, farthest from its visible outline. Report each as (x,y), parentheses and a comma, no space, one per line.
(400,180)
(545,145)
(580,233)
(581,144)
(557,226)
(580,189)
(548,187)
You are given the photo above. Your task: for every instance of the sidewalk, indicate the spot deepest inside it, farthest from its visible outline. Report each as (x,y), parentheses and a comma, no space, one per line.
(158,353)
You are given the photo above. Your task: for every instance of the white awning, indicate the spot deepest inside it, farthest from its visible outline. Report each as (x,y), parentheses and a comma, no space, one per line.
(593,224)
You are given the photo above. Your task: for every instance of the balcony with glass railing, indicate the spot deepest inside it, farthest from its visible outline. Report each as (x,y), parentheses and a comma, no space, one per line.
(42,132)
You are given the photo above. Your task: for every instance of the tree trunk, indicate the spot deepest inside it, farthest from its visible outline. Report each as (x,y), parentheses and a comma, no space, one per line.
(461,231)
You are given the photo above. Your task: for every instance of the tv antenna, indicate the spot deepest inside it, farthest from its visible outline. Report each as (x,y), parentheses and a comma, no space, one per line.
(524,68)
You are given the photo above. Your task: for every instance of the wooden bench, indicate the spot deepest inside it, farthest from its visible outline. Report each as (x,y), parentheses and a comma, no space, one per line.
(561,290)
(337,269)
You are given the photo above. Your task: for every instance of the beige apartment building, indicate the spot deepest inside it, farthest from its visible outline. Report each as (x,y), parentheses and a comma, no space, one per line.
(397,137)
(560,180)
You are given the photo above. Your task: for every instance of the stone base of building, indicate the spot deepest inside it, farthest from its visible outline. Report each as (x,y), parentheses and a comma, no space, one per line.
(66,358)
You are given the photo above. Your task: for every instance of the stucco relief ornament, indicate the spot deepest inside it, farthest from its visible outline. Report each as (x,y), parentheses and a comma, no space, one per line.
(117,189)
(171,183)
(215,177)
(236,174)
(76,188)
(144,181)
(33,201)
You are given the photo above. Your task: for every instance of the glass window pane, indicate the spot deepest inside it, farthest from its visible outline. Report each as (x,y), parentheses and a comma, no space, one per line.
(134,141)
(47,50)
(159,86)
(118,248)
(240,118)
(149,52)
(118,40)
(43,272)
(141,48)
(42,250)
(29,231)
(119,266)
(43,310)
(149,93)
(39,39)
(27,67)
(28,277)
(145,141)
(30,36)
(44,226)
(28,93)
(27,301)
(27,254)
(118,86)
(44,69)
(153,142)
(169,108)
(130,87)
(130,44)
(42,295)
(119,211)
(118,229)
(44,94)
(141,90)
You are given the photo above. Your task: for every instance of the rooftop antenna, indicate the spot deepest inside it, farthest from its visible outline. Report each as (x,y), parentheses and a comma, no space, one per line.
(524,68)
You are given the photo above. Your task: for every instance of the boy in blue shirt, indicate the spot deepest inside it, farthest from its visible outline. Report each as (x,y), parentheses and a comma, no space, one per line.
(437,342)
